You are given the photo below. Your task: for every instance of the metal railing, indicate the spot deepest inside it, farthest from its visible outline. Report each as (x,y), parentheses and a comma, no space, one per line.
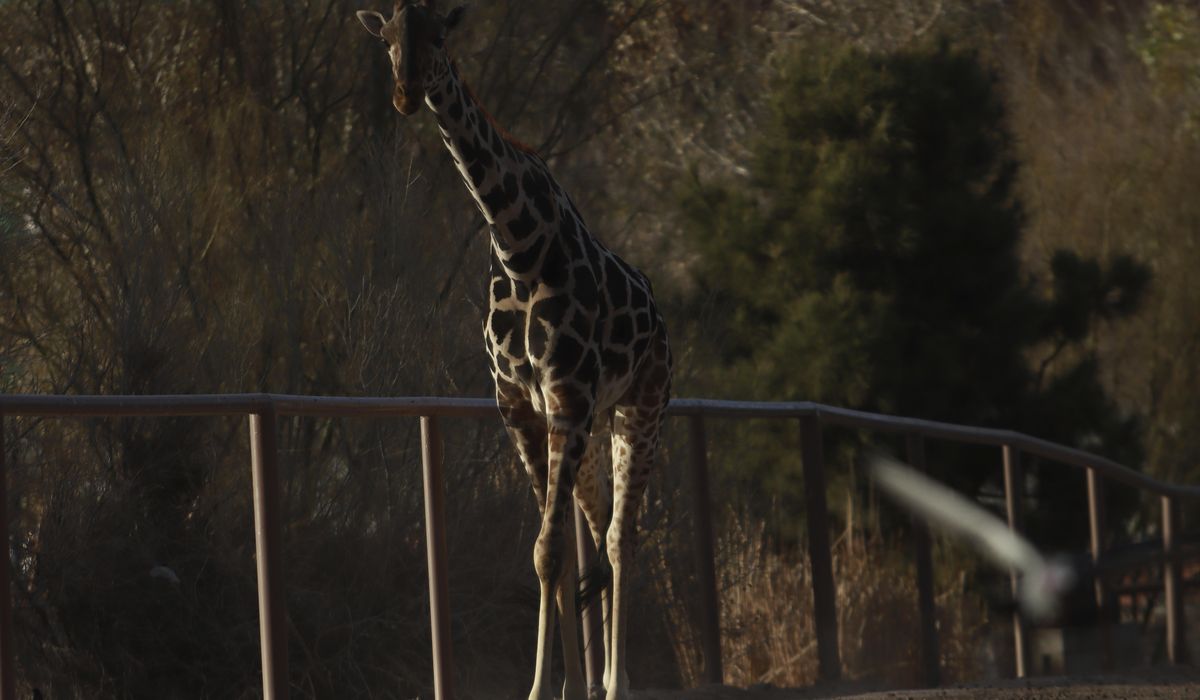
(263,411)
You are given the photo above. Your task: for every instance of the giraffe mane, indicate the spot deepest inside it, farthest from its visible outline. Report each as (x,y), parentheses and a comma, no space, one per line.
(401,4)
(517,143)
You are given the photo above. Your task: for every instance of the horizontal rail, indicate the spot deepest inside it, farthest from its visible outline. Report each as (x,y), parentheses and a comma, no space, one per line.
(242,404)
(331,406)
(1153,588)
(813,417)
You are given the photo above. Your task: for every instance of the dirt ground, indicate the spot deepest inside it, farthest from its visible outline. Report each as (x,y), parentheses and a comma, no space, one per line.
(1156,684)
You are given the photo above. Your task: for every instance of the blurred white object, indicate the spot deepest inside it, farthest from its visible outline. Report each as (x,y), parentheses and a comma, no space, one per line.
(163,572)
(1044,581)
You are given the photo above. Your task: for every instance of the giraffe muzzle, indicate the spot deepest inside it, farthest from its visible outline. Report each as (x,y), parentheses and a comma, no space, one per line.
(407,101)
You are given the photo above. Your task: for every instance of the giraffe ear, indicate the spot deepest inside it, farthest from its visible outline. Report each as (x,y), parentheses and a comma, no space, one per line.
(373,21)
(454,17)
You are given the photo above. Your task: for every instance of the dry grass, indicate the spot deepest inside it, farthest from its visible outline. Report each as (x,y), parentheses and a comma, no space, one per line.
(768,627)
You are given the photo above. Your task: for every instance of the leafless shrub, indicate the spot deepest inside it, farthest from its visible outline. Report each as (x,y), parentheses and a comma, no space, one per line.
(1109,152)
(769,637)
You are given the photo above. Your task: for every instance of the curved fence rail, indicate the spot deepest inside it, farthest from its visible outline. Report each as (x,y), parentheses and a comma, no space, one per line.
(263,411)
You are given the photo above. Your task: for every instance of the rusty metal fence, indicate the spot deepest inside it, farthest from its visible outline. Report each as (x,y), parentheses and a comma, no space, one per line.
(263,411)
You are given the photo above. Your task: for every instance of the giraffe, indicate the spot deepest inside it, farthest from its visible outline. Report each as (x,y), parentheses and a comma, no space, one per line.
(578,348)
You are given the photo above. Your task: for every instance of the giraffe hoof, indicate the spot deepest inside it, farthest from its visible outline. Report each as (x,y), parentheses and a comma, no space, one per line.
(574,692)
(620,691)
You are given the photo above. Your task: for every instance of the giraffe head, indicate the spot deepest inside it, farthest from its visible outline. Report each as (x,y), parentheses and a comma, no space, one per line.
(415,35)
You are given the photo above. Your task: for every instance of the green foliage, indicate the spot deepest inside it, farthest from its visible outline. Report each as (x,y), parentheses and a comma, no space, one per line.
(1169,48)
(871,260)
(1086,292)
(1169,45)
(877,224)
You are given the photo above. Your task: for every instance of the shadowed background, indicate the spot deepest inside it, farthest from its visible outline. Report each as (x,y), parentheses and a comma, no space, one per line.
(978,211)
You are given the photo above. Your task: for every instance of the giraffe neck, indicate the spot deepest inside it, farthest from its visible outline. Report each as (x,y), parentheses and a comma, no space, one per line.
(511,185)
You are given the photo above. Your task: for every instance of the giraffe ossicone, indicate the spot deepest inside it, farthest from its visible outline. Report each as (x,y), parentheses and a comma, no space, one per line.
(578,349)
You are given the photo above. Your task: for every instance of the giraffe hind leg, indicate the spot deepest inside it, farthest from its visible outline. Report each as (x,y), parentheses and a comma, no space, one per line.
(594,496)
(593,493)
(636,429)
(628,466)
(594,581)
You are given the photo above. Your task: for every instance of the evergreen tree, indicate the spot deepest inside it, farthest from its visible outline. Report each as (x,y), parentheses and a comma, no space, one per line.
(872,261)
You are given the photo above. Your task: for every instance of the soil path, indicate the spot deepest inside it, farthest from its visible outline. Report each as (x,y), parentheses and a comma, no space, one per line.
(1153,684)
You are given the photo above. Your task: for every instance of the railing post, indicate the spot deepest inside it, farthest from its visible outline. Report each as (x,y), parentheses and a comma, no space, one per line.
(435,548)
(1095,493)
(1014,489)
(702,507)
(268,542)
(591,614)
(1172,591)
(8,674)
(829,666)
(930,657)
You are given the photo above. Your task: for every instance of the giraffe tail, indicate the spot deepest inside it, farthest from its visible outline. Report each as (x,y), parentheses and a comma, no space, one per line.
(594,580)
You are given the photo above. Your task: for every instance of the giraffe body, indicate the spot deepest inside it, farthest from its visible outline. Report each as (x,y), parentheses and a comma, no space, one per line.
(579,352)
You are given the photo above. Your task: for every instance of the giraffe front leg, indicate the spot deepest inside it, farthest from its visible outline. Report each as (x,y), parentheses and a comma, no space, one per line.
(528,431)
(541,669)
(568,621)
(620,553)
(566,442)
